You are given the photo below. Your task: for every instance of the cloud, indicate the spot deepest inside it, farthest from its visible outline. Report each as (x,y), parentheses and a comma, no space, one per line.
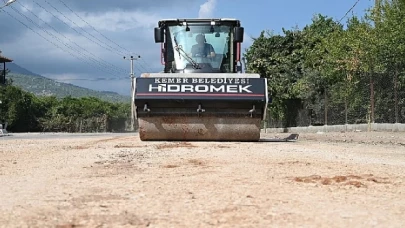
(207,9)
(67,77)
(75,49)
(117,20)
(111,5)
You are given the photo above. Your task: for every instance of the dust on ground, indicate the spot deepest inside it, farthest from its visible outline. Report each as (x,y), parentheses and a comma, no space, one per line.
(322,180)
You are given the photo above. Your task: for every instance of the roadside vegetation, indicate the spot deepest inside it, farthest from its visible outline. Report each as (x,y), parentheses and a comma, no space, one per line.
(26,112)
(338,73)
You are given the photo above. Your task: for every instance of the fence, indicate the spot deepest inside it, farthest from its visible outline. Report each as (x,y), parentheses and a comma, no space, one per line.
(379,101)
(89,125)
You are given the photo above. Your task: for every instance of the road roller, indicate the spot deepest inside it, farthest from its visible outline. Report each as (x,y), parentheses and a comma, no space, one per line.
(202,94)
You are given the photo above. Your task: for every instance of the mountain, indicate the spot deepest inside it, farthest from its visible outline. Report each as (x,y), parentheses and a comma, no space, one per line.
(42,86)
(14,68)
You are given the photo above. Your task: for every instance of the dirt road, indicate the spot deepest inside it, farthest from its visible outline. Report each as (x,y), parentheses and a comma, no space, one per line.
(322,180)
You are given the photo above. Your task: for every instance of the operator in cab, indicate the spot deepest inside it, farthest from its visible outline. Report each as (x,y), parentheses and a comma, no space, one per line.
(202,48)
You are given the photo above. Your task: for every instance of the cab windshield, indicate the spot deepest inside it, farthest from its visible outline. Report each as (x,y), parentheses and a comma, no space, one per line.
(202,45)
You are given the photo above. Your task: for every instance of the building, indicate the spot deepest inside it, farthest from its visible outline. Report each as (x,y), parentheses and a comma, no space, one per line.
(3,61)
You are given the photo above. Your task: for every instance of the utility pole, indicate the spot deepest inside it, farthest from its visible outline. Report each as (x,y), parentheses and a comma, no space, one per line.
(132,76)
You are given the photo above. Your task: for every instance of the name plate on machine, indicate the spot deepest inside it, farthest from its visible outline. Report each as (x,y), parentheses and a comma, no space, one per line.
(166,88)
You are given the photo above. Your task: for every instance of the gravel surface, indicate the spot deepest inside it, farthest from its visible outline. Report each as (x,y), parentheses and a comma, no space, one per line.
(115,180)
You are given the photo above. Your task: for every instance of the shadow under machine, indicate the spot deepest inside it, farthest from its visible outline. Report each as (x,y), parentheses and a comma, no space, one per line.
(202,93)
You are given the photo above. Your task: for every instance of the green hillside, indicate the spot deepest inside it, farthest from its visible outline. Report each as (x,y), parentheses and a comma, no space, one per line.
(42,86)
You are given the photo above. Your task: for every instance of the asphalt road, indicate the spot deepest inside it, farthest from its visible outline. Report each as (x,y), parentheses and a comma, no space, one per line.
(14,136)
(48,135)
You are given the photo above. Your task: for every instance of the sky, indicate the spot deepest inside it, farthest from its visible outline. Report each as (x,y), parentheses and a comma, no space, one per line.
(83,42)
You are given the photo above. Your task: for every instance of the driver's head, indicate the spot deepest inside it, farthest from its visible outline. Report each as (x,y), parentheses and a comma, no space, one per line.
(200,38)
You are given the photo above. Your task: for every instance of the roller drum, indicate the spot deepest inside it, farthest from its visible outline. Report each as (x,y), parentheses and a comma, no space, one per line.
(189,128)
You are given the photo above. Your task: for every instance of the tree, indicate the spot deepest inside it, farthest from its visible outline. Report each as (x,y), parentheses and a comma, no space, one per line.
(279,58)
(320,74)
(20,109)
(389,18)
(26,113)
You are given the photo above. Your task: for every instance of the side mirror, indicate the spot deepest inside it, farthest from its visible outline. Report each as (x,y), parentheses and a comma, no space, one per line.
(159,35)
(238,34)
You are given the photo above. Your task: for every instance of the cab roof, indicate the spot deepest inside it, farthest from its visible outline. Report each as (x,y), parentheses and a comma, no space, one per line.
(198,20)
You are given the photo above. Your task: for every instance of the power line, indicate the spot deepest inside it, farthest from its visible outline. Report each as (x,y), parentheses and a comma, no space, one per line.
(92,26)
(78,32)
(89,79)
(107,47)
(124,49)
(78,51)
(72,51)
(35,31)
(354,5)
(56,45)
(146,65)
(117,69)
